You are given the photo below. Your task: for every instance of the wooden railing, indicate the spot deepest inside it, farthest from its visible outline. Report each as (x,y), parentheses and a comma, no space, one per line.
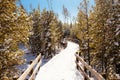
(33,68)
(85,65)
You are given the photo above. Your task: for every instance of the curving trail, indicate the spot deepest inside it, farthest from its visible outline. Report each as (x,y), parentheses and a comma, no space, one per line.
(62,66)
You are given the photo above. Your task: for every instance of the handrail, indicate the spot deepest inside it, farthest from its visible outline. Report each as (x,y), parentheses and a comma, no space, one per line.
(35,70)
(27,71)
(96,74)
(83,72)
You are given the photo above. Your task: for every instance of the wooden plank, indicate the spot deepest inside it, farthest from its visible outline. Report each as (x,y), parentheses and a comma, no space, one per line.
(32,77)
(83,73)
(24,75)
(97,75)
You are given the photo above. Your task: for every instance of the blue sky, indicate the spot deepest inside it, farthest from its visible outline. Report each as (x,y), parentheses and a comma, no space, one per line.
(57,5)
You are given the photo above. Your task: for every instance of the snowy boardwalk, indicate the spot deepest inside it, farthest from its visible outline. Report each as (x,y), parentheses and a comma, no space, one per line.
(62,66)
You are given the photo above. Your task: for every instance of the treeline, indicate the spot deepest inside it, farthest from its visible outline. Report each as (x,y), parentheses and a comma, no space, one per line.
(98,31)
(47,33)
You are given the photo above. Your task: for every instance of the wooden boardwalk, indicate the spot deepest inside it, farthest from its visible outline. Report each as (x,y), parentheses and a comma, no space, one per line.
(31,72)
(34,67)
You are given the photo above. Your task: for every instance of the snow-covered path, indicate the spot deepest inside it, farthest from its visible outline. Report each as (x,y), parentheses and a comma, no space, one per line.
(62,66)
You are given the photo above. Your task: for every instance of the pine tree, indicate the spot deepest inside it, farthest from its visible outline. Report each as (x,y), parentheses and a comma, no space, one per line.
(14,29)
(46,33)
(81,30)
(46,18)
(99,40)
(55,34)
(60,34)
(113,39)
(103,37)
(37,37)
(83,23)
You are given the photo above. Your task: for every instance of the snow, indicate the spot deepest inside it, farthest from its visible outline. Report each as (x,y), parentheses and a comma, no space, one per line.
(118,33)
(116,43)
(27,57)
(118,30)
(62,66)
